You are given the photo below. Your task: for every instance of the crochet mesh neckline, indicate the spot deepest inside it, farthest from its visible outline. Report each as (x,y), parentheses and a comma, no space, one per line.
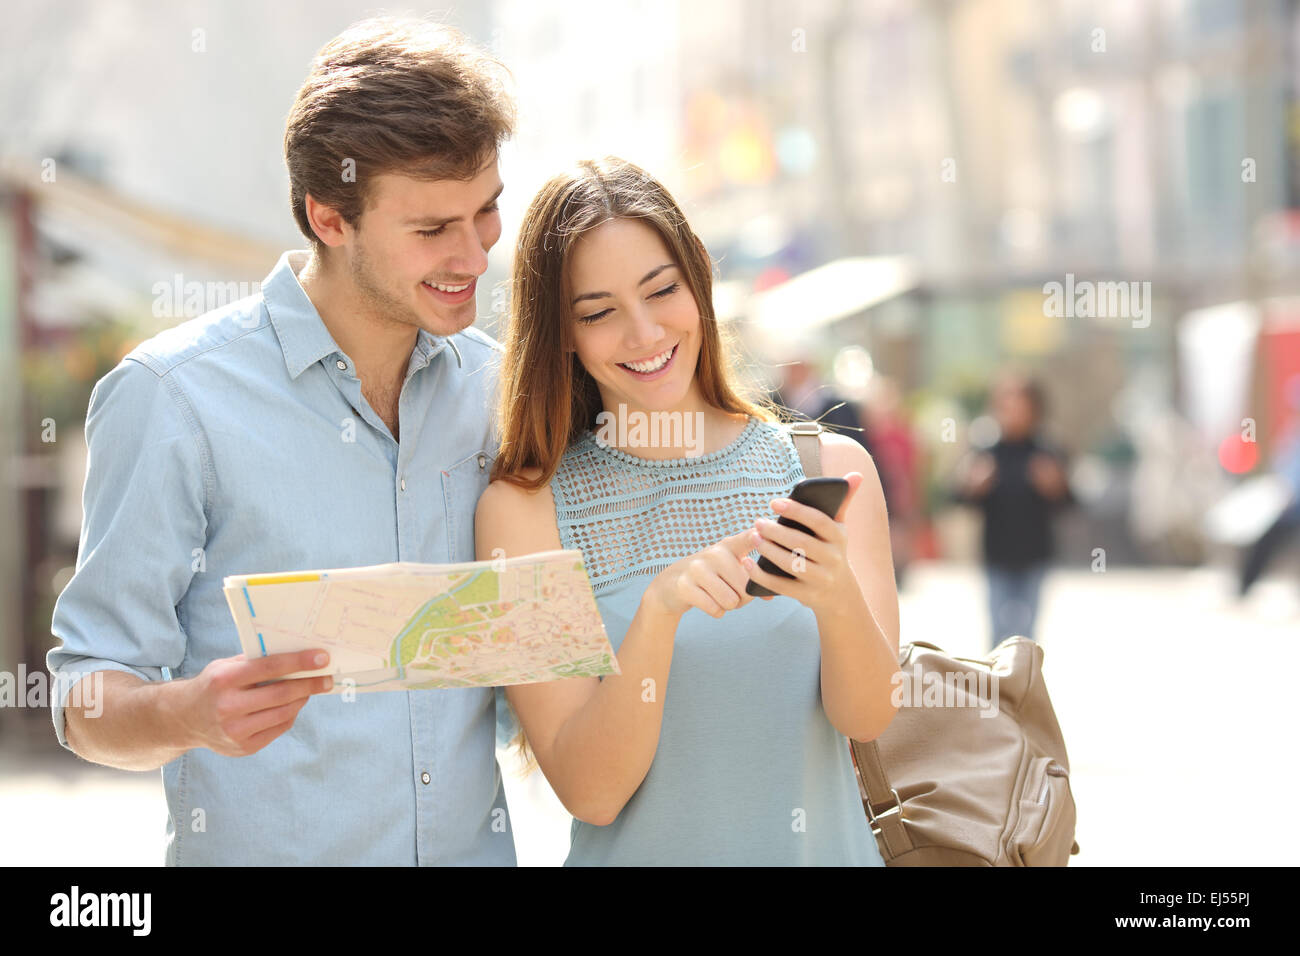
(631,517)
(683,462)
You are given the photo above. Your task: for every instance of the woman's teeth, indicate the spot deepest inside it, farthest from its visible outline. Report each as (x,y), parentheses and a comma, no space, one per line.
(652,365)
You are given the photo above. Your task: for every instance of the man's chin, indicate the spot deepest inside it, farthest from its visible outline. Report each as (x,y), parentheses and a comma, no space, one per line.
(447,320)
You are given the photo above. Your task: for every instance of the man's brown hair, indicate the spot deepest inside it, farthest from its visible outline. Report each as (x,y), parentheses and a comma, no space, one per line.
(392,95)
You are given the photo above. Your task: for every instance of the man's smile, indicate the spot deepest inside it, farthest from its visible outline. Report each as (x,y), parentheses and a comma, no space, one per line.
(451,294)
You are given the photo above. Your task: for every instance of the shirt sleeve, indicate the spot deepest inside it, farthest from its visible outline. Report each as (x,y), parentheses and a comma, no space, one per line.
(144,521)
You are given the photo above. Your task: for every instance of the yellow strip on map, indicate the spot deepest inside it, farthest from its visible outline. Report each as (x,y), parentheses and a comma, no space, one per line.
(280,579)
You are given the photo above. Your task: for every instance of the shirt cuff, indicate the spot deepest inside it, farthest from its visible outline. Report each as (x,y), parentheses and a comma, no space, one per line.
(91,694)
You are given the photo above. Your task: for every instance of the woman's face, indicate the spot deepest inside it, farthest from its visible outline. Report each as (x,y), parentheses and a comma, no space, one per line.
(631,304)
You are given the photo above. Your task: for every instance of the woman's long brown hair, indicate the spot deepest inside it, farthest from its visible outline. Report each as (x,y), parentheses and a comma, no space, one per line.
(546,398)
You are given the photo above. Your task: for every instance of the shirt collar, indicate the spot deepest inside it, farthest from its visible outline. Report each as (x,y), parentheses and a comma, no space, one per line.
(304,338)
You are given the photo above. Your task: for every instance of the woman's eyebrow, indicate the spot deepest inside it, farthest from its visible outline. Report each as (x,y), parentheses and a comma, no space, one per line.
(644,279)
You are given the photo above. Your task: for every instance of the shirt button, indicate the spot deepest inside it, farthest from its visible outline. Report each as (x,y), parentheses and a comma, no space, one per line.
(403,484)
(424,777)
(482,460)
(343,366)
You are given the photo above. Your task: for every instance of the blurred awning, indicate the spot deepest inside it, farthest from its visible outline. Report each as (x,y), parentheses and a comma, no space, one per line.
(793,310)
(99,214)
(1216,355)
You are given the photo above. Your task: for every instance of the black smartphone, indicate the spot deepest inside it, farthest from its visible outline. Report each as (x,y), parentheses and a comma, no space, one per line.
(824,494)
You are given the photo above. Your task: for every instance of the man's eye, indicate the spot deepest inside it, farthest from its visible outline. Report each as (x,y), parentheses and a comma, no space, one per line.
(431,233)
(492,208)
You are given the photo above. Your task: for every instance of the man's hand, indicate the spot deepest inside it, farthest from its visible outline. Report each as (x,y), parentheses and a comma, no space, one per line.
(229,714)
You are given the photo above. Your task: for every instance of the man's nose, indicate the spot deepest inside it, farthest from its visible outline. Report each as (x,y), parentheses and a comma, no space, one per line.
(469,258)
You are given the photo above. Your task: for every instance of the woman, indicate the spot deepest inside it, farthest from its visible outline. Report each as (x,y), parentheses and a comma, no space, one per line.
(740,757)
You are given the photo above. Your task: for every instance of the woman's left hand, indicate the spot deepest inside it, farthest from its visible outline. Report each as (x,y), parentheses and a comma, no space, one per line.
(819,562)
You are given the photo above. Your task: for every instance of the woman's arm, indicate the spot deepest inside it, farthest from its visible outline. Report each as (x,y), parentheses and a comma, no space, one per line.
(594,738)
(859,625)
(974,478)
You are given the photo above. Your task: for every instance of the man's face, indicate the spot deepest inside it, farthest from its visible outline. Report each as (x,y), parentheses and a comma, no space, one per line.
(420,246)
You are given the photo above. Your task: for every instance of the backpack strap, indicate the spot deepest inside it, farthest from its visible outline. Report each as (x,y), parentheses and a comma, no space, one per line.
(807,442)
(880,801)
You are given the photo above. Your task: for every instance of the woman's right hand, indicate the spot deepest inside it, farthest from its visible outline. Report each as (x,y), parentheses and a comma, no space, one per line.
(713,580)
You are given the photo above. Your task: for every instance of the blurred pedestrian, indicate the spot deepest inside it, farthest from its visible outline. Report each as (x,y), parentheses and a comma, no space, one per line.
(1286,464)
(1019,483)
(807,397)
(895,452)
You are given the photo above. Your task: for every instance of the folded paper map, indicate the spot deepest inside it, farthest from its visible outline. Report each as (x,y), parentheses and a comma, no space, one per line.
(408,626)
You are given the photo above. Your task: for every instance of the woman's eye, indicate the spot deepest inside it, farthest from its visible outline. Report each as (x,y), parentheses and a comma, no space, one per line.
(665,291)
(585,319)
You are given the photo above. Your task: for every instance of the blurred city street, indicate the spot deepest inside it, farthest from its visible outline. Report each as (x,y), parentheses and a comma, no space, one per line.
(1041,261)
(1172,695)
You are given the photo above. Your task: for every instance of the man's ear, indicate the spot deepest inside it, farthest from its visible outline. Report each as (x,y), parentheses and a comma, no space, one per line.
(326,221)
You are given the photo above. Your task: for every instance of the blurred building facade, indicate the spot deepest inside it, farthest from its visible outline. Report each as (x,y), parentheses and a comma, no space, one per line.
(964,155)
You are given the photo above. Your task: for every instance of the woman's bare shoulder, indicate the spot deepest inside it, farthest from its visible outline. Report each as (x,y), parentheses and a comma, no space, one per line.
(842,454)
(521,520)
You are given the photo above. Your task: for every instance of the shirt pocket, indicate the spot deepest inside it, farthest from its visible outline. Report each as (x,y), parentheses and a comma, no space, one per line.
(462,485)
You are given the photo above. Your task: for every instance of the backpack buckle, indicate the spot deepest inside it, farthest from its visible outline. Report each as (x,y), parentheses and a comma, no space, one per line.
(872,816)
(805,428)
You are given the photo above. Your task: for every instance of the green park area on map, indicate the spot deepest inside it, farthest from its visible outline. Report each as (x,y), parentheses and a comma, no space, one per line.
(411,626)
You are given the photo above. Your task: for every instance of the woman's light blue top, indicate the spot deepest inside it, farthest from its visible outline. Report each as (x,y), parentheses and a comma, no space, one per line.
(749,770)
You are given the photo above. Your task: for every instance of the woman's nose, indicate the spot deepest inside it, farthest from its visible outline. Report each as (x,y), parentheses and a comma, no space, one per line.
(644,329)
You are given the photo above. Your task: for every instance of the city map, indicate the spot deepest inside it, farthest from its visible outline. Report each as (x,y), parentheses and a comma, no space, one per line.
(408,626)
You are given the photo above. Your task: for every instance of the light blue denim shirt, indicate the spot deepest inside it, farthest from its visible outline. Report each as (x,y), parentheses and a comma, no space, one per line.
(239,442)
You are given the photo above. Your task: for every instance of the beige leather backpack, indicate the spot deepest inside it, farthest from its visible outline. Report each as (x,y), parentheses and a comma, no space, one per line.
(983,780)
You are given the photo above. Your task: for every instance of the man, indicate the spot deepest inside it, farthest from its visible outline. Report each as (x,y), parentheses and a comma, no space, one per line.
(340,418)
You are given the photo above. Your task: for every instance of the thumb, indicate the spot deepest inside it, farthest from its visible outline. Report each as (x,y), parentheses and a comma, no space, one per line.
(855,480)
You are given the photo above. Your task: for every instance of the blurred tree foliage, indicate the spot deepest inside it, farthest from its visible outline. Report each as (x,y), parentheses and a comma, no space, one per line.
(58,377)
